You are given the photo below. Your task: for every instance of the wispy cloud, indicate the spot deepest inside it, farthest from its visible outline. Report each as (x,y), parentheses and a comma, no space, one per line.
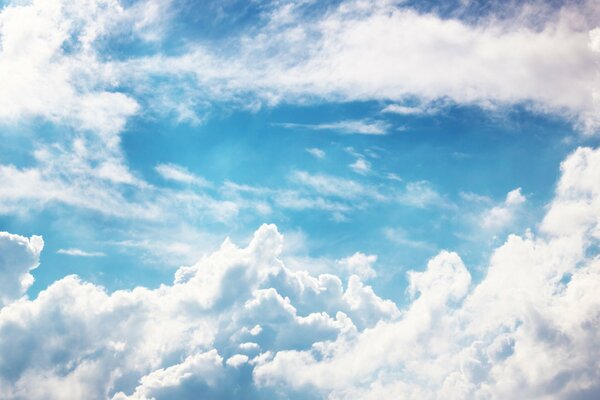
(180,174)
(421,194)
(334,186)
(349,127)
(400,236)
(80,253)
(315,152)
(361,166)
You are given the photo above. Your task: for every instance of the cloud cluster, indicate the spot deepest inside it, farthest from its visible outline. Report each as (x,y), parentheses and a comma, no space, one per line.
(372,50)
(416,62)
(239,323)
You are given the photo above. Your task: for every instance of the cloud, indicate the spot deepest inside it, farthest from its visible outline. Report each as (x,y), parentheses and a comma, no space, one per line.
(419,109)
(510,335)
(358,127)
(54,69)
(234,297)
(335,186)
(80,253)
(421,194)
(240,321)
(18,256)
(315,152)
(62,72)
(399,236)
(176,173)
(359,264)
(501,216)
(361,166)
(345,54)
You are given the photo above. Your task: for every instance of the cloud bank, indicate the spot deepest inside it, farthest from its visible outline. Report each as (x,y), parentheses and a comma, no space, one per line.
(239,323)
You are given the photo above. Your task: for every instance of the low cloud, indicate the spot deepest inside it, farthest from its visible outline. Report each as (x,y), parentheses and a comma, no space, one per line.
(239,321)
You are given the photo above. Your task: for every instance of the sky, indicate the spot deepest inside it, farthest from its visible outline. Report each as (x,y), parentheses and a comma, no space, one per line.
(299,199)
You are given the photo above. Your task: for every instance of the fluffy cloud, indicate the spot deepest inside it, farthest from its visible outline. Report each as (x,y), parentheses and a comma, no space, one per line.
(240,323)
(502,215)
(237,304)
(18,256)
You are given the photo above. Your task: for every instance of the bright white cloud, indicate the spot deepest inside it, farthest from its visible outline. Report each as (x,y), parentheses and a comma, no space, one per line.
(80,253)
(381,51)
(240,321)
(18,256)
(359,264)
(503,215)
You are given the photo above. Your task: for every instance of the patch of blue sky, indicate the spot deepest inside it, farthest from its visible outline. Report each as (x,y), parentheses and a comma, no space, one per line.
(469,157)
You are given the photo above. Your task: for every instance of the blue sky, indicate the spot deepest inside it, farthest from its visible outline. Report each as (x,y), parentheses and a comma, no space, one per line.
(411,158)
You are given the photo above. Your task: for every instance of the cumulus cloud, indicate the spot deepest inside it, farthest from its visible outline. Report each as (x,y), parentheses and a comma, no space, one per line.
(501,216)
(18,256)
(239,322)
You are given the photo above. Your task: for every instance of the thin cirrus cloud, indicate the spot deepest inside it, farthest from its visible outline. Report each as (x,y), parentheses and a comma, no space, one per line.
(180,174)
(80,253)
(357,127)
(239,319)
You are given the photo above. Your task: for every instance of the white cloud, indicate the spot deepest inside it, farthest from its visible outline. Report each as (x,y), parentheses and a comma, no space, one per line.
(180,174)
(80,253)
(359,264)
(18,256)
(419,109)
(503,215)
(359,127)
(315,152)
(240,321)
(361,166)
(71,87)
(381,51)
(421,194)
(334,186)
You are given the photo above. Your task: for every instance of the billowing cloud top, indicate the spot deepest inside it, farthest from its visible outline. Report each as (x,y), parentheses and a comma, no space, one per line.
(240,324)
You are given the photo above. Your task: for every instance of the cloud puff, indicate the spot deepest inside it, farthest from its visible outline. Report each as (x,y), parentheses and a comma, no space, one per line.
(18,256)
(239,323)
(502,215)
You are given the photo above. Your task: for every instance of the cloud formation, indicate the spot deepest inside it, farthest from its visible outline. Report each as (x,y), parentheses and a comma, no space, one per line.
(240,323)
(18,256)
